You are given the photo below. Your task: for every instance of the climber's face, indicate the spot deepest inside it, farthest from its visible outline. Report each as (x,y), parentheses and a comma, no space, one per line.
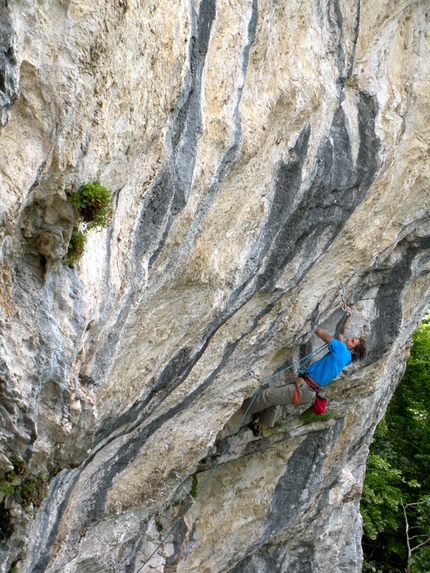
(351,343)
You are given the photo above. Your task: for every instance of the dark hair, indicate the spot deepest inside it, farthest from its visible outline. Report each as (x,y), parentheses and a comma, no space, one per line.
(360,350)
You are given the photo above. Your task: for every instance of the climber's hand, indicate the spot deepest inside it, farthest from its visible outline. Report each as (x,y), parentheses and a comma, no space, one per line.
(346,309)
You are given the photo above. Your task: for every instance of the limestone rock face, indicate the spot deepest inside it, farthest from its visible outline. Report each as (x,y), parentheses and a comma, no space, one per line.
(260,153)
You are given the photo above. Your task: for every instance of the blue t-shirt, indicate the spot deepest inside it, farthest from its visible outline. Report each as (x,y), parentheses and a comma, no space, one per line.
(331,364)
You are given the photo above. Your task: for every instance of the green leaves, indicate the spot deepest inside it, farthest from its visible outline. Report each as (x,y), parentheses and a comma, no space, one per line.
(395,503)
(32,489)
(76,247)
(381,497)
(94,202)
(95,211)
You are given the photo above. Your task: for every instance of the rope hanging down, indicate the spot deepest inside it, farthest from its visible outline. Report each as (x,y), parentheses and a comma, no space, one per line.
(347,311)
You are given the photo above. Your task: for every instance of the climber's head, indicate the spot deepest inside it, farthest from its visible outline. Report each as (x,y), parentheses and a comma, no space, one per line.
(357,346)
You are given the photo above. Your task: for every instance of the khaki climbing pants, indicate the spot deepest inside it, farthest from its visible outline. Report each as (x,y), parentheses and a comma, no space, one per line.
(269,399)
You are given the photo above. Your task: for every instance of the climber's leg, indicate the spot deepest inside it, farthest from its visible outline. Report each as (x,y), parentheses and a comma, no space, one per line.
(269,399)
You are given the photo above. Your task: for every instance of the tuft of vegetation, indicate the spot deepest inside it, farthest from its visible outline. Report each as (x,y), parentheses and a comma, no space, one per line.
(19,466)
(30,488)
(308,416)
(194,486)
(19,470)
(94,204)
(76,247)
(10,476)
(6,487)
(33,490)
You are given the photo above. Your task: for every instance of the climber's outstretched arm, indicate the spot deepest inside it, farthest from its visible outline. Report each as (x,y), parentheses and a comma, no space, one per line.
(325,336)
(342,330)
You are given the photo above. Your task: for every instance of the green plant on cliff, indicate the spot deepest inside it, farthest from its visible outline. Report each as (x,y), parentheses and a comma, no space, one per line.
(94,204)
(19,466)
(194,486)
(309,417)
(6,487)
(395,504)
(33,490)
(76,247)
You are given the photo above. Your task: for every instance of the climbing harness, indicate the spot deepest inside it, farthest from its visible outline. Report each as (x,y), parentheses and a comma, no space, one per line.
(347,311)
(321,402)
(309,381)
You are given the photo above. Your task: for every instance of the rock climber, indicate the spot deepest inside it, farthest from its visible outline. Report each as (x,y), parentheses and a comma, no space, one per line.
(341,352)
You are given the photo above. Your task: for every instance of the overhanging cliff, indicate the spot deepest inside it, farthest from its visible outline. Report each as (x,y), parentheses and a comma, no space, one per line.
(260,153)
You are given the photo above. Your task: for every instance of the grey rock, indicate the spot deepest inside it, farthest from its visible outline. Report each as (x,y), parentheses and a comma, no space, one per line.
(260,154)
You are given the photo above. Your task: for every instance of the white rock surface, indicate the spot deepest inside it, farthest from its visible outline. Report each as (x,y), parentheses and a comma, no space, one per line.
(260,152)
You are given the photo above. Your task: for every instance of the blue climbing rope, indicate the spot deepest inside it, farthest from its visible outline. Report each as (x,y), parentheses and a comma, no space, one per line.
(347,311)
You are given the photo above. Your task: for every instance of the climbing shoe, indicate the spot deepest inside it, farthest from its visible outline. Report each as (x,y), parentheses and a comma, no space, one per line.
(253,429)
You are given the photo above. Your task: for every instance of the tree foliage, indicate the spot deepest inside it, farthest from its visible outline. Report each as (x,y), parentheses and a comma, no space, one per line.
(396,493)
